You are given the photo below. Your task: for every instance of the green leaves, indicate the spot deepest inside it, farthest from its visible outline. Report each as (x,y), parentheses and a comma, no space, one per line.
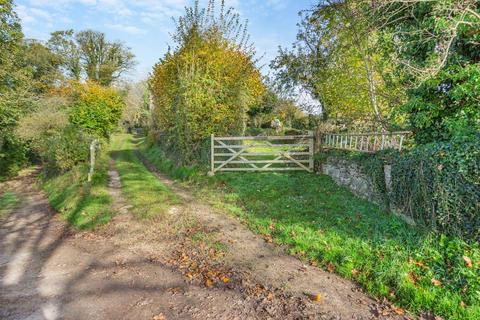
(96,109)
(435,44)
(438,184)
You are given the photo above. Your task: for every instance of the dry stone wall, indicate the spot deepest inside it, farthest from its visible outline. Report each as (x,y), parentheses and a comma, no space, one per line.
(348,173)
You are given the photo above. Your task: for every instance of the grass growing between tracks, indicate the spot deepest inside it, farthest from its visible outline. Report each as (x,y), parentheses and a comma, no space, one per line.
(148,195)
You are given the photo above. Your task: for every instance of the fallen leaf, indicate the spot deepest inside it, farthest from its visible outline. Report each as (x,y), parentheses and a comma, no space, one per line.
(436,282)
(468,261)
(174,290)
(268,238)
(270,296)
(208,283)
(316,297)
(330,267)
(398,311)
(159,317)
(417,263)
(412,277)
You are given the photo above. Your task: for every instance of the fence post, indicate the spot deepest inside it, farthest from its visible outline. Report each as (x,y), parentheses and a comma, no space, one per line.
(212,155)
(93,147)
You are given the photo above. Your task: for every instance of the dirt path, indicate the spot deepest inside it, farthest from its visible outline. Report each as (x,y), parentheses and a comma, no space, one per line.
(133,270)
(50,272)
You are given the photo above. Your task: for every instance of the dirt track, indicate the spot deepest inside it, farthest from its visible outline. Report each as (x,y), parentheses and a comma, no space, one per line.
(132,270)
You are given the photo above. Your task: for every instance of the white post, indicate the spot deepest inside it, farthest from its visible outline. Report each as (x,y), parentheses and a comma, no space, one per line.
(212,155)
(93,147)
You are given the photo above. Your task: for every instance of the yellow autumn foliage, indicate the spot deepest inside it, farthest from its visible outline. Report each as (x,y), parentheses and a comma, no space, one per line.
(205,86)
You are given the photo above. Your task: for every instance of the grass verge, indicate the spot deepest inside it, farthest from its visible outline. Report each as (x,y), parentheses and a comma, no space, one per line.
(327,225)
(8,201)
(148,196)
(84,205)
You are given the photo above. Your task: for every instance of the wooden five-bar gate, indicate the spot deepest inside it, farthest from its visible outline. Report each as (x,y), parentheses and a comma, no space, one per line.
(262,153)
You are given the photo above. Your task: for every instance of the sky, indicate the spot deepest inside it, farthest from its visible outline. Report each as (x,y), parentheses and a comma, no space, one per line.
(145,25)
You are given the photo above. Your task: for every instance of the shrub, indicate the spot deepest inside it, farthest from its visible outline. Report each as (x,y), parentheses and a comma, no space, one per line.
(58,144)
(13,155)
(206,85)
(438,184)
(13,151)
(66,149)
(49,119)
(96,109)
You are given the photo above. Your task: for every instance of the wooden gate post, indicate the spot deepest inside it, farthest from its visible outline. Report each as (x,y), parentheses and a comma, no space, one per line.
(318,140)
(212,155)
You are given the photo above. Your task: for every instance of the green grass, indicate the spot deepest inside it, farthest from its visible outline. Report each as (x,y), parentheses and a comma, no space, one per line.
(326,224)
(83,205)
(148,196)
(157,157)
(8,202)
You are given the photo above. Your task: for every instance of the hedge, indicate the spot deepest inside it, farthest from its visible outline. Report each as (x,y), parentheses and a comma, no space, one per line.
(438,184)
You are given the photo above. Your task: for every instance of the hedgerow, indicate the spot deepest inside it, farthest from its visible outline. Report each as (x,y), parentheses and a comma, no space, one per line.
(438,184)
(207,84)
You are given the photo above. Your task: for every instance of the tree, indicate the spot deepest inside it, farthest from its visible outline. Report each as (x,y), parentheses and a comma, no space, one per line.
(43,66)
(335,58)
(14,94)
(96,109)
(63,44)
(208,83)
(436,45)
(137,105)
(90,53)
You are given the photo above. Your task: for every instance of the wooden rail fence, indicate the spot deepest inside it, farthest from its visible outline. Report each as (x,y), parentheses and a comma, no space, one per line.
(363,142)
(262,153)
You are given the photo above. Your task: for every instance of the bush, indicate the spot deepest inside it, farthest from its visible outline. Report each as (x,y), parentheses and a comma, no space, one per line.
(58,144)
(438,184)
(96,109)
(66,149)
(13,151)
(13,155)
(206,86)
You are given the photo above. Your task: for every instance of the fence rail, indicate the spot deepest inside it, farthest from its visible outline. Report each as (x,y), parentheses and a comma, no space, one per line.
(262,153)
(364,142)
